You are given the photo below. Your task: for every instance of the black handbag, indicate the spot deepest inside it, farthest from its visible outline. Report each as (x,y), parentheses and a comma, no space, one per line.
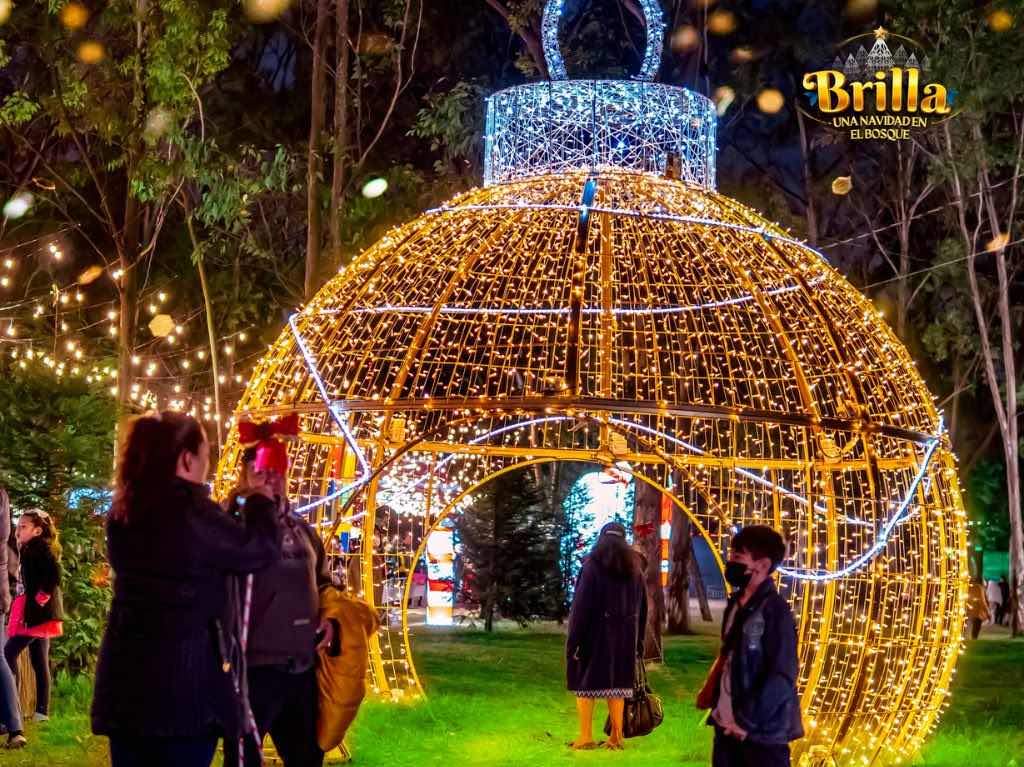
(644,712)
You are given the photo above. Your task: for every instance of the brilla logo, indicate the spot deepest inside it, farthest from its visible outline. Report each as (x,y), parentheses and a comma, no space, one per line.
(877,93)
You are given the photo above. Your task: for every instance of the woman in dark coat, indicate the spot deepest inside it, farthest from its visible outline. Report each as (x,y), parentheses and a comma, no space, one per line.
(606,636)
(168,670)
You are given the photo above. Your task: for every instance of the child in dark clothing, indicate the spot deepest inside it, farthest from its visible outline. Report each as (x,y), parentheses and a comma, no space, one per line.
(36,615)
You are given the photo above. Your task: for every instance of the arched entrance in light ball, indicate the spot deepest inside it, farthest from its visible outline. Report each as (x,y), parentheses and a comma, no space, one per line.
(451,509)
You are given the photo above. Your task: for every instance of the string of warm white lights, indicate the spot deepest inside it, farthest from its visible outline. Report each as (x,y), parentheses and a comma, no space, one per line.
(618,311)
(517,325)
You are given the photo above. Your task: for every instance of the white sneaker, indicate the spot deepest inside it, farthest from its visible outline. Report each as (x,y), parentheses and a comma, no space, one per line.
(37,717)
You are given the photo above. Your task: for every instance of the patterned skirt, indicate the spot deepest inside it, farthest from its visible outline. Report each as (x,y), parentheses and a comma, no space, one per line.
(621,692)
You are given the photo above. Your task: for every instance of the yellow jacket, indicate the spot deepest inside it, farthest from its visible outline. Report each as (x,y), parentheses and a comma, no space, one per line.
(342,678)
(977,602)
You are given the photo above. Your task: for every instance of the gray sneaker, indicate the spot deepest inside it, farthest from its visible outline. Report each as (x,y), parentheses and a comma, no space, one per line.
(37,717)
(16,741)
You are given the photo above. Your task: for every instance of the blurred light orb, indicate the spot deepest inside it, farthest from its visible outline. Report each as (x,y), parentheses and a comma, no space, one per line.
(90,275)
(5,10)
(18,206)
(91,52)
(1000,20)
(861,9)
(158,122)
(770,100)
(264,11)
(374,188)
(842,185)
(74,16)
(686,38)
(161,326)
(724,96)
(722,22)
(998,242)
(742,55)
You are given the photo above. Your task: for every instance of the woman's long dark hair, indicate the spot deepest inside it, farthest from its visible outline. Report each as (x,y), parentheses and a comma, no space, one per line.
(614,553)
(149,462)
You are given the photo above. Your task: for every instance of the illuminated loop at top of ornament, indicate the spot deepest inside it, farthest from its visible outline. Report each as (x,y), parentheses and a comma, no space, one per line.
(653,18)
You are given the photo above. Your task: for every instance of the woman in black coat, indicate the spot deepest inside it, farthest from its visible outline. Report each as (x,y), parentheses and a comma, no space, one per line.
(167,679)
(609,611)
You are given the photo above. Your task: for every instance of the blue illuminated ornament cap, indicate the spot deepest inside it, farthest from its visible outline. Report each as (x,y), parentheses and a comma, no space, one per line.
(569,125)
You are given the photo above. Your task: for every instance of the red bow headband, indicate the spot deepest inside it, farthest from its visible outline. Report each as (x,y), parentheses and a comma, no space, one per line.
(271,452)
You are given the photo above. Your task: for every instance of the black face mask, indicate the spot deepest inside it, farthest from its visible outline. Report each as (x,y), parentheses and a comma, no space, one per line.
(736,575)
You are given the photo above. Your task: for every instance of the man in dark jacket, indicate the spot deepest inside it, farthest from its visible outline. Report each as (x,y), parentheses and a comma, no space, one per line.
(755,710)
(285,633)
(10,711)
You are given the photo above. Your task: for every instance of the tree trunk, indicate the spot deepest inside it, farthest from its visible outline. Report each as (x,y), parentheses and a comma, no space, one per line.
(128,252)
(805,155)
(647,521)
(702,592)
(679,574)
(314,235)
(954,408)
(903,284)
(197,257)
(1003,390)
(26,685)
(340,160)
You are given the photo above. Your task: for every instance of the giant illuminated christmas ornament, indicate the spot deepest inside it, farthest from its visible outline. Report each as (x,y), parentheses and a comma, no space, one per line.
(598,301)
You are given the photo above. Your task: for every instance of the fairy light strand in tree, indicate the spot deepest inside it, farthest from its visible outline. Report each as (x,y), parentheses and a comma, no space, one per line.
(595,303)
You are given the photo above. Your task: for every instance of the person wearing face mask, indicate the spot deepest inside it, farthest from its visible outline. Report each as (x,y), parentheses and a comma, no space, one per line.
(751,689)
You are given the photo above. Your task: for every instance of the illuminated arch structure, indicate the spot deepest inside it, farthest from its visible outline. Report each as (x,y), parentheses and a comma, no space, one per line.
(597,300)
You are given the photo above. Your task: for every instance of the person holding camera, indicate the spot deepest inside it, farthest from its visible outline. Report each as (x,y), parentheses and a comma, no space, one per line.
(285,632)
(167,684)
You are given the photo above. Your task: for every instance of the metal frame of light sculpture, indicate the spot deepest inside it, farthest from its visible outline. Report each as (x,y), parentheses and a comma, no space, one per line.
(584,124)
(587,307)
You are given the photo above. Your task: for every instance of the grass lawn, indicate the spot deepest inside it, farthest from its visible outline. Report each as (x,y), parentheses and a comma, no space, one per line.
(499,700)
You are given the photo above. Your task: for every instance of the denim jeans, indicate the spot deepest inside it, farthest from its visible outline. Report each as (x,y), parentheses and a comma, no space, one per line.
(10,709)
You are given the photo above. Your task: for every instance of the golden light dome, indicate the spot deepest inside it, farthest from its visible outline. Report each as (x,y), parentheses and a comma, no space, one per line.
(609,311)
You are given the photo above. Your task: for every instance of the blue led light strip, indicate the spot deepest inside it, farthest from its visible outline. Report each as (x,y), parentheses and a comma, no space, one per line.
(652,54)
(675,218)
(697,451)
(349,438)
(901,515)
(476,441)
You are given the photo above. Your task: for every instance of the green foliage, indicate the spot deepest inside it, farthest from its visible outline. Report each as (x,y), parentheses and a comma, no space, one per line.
(499,700)
(986,505)
(85,583)
(453,124)
(364,220)
(510,542)
(58,438)
(17,110)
